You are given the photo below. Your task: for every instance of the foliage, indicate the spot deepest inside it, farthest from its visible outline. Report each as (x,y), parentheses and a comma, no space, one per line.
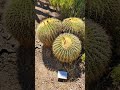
(69,8)
(115,75)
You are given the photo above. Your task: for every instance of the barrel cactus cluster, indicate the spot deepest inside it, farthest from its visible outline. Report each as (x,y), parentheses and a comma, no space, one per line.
(63,39)
(72,38)
(73,41)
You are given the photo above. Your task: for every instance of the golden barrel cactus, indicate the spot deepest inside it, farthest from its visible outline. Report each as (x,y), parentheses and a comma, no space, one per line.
(66,47)
(75,26)
(48,30)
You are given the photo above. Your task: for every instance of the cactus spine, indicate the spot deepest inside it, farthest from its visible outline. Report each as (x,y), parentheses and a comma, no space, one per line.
(19,20)
(66,47)
(48,30)
(74,25)
(97,50)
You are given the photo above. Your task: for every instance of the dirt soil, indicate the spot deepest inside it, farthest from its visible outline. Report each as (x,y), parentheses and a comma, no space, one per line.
(46,65)
(8,58)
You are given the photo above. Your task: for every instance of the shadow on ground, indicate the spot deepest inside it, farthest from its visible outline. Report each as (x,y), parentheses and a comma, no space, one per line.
(43,9)
(26,67)
(53,64)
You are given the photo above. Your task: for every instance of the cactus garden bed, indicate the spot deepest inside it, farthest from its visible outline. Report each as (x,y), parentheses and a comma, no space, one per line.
(45,61)
(81,38)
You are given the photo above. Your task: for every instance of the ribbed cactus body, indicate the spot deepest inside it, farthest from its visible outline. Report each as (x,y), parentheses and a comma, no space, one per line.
(107,13)
(97,51)
(108,10)
(19,20)
(66,47)
(48,30)
(75,26)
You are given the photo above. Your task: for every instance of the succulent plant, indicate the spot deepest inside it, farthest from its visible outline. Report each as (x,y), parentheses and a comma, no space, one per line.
(97,51)
(107,13)
(19,20)
(48,30)
(66,47)
(74,8)
(83,57)
(74,25)
(103,10)
(115,75)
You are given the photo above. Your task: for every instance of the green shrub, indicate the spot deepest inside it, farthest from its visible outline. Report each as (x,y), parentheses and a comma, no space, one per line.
(69,8)
(115,75)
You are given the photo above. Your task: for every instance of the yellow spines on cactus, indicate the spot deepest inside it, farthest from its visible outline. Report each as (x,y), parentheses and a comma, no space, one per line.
(66,47)
(48,30)
(75,26)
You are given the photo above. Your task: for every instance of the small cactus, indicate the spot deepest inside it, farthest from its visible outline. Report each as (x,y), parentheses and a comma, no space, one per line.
(75,26)
(66,47)
(48,30)
(19,20)
(97,51)
(83,58)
